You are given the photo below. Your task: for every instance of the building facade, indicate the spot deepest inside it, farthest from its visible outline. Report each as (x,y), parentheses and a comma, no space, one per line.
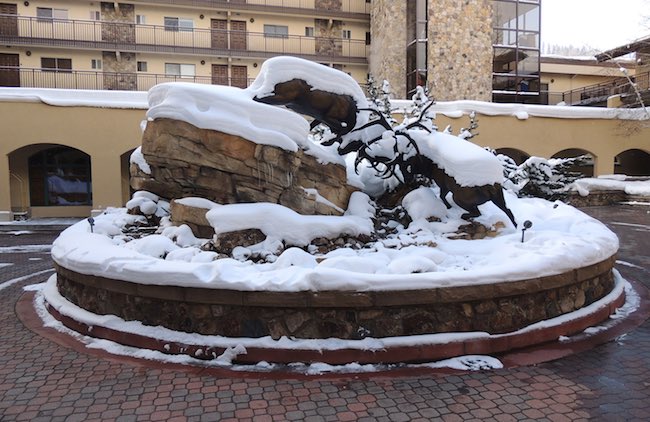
(481,50)
(135,45)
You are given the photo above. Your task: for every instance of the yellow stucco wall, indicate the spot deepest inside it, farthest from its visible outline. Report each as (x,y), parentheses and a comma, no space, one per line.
(107,134)
(104,134)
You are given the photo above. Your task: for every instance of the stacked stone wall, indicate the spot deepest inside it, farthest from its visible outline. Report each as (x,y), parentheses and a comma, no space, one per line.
(494,308)
(460,50)
(388,44)
(328,37)
(188,161)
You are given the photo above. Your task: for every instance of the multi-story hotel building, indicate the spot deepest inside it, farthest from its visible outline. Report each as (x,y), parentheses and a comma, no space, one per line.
(135,45)
(458,49)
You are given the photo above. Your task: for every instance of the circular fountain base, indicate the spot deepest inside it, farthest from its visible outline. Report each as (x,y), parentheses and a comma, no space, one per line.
(375,326)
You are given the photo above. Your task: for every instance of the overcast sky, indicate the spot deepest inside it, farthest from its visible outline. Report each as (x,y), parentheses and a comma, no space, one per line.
(601,24)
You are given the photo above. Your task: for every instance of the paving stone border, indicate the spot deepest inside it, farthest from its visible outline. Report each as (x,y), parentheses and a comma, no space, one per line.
(493,308)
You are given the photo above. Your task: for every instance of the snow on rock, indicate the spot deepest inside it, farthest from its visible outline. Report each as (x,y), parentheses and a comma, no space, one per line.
(230,110)
(182,235)
(138,159)
(155,245)
(279,222)
(422,203)
(467,163)
(196,202)
(561,239)
(284,69)
(611,182)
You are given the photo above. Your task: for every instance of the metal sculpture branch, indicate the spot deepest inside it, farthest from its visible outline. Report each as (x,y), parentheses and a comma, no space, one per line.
(404,162)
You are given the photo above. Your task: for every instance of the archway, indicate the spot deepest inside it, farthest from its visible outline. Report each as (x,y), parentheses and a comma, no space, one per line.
(125,165)
(517,155)
(586,169)
(49,175)
(633,162)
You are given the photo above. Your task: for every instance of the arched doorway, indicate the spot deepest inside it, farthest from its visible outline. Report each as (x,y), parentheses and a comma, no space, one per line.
(587,168)
(58,175)
(633,162)
(517,155)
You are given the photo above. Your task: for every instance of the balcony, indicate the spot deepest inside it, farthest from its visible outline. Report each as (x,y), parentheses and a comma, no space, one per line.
(122,81)
(128,37)
(596,95)
(349,9)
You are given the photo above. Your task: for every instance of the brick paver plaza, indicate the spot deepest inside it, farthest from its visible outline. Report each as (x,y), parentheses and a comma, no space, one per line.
(49,378)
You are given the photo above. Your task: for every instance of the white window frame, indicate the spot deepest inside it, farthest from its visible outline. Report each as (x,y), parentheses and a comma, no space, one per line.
(183,70)
(140,19)
(142,66)
(96,64)
(276,31)
(177,24)
(95,15)
(49,13)
(346,34)
(309,31)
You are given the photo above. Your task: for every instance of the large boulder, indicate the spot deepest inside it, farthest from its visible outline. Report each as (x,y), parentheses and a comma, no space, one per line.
(188,161)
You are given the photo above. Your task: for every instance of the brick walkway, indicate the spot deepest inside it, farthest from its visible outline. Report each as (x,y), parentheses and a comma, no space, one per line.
(41,380)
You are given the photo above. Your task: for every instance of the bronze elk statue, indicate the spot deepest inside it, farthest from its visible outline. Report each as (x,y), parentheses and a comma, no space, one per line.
(340,113)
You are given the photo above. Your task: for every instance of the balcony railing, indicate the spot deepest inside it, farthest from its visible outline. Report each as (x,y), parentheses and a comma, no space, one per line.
(329,8)
(597,94)
(162,39)
(123,81)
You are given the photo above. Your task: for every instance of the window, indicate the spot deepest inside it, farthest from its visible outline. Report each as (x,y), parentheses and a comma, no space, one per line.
(180,69)
(95,15)
(142,66)
(346,34)
(47,13)
(60,176)
(367,38)
(178,24)
(141,20)
(276,31)
(54,64)
(96,63)
(309,31)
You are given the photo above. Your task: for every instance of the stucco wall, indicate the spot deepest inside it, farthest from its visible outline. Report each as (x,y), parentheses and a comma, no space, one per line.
(104,134)
(108,133)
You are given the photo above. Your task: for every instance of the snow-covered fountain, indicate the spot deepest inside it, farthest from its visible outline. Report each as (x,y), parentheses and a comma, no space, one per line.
(248,241)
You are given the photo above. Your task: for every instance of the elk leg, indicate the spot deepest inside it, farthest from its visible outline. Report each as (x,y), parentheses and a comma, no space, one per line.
(472,212)
(443,196)
(498,200)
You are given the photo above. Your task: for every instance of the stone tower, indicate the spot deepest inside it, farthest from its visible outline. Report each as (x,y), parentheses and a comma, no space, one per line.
(449,44)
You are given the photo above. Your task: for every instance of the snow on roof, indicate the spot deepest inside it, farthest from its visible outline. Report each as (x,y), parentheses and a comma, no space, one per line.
(456,109)
(77,97)
(561,238)
(561,56)
(467,163)
(284,69)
